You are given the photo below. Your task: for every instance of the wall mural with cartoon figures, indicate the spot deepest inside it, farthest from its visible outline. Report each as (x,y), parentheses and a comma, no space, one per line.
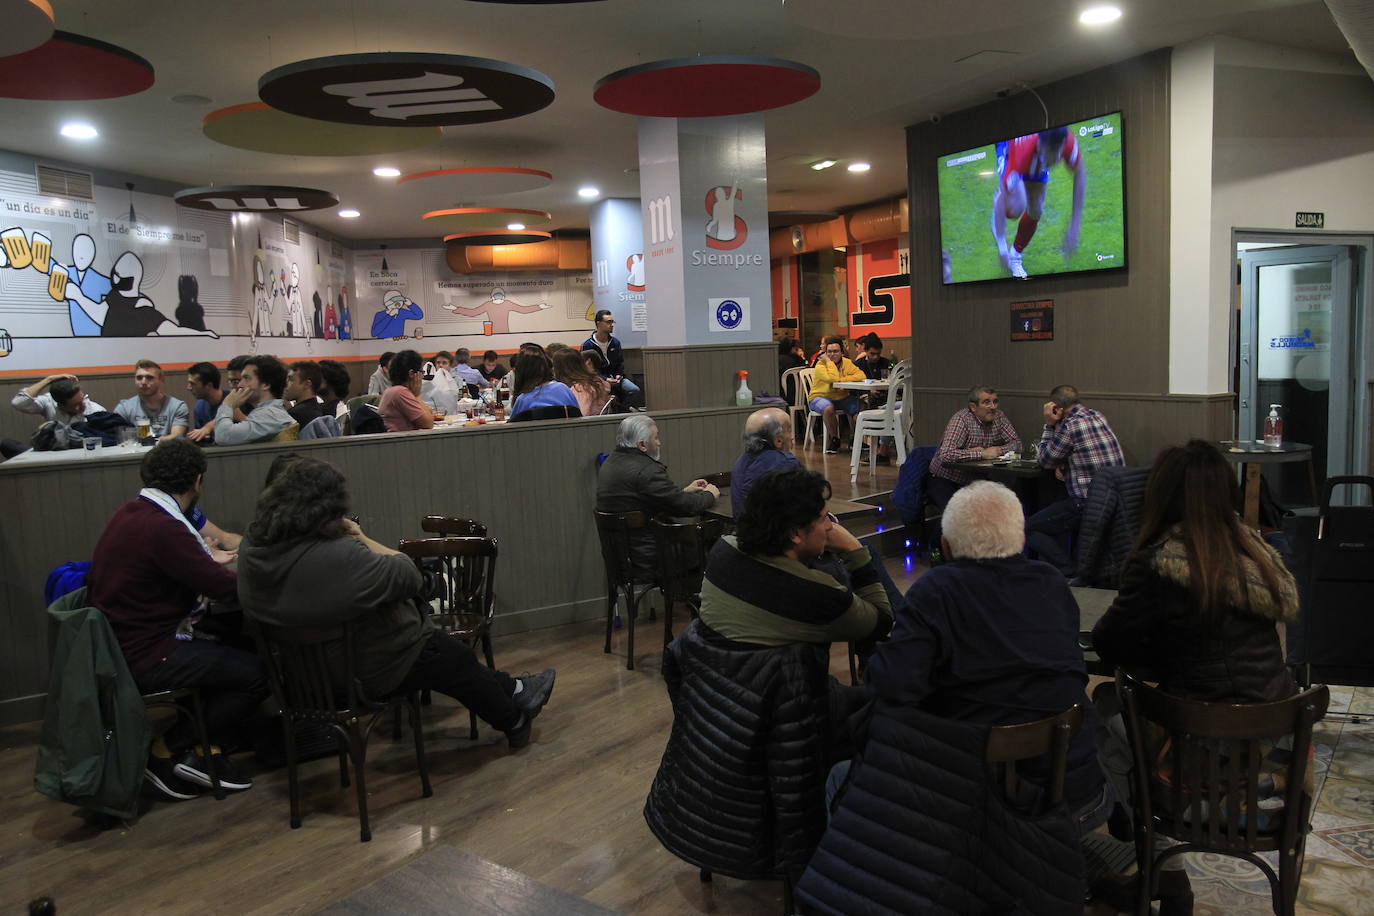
(130,275)
(415,294)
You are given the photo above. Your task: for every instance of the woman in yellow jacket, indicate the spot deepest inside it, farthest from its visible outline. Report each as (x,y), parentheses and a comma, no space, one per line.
(826,399)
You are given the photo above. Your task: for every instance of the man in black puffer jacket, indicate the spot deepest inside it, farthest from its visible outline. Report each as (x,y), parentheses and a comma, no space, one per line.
(740,789)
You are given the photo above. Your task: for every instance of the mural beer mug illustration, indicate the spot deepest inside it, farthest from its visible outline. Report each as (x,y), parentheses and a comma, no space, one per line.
(16,246)
(57,283)
(40,249)
(6,343)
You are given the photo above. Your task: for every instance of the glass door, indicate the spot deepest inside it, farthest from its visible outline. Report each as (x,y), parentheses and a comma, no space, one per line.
(1299,348)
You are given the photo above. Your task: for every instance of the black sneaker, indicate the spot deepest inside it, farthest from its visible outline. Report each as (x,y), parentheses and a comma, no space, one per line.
(192,768)
(160,773)
(537,690)
(832,447)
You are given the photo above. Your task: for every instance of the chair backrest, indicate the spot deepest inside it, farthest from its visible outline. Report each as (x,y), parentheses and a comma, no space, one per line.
(355,402)
(453,527)
(1201,785)
(1049,737)
(311,669)
(469,573)
(805,375)
(680,552)
(794,376)
(549,412)
(323,427)
(613,529)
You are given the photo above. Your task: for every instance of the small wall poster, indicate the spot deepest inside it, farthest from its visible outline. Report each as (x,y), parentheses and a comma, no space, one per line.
(1033,320)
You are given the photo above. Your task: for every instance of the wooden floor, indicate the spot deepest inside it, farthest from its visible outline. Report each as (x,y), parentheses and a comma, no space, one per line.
(566,811)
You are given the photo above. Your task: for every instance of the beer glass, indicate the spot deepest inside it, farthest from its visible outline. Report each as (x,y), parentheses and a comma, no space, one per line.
(143,429)
(41,252)
(16,247)
(57,283)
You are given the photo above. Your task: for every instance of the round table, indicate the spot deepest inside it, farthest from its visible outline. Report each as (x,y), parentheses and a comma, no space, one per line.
(1250,454)
(871,384)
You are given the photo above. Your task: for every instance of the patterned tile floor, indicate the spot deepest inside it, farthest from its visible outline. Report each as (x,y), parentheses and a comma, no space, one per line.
(1338,875)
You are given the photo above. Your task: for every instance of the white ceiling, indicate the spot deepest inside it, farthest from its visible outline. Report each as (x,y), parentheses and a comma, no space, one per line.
(872,87)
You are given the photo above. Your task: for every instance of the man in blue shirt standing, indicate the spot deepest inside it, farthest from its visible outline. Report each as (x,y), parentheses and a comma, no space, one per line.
(767,445)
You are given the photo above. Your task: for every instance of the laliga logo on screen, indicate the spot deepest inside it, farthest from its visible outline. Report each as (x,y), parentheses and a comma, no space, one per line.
(724,230)
(635,265)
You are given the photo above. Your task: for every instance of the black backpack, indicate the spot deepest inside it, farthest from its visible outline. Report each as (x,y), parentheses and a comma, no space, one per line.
(103,424)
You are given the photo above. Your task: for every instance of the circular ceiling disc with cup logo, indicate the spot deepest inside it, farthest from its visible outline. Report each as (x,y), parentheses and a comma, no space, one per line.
(392,89)
(255,198)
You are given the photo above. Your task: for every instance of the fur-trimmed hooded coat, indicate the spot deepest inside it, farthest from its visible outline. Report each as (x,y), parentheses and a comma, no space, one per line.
(1232,656)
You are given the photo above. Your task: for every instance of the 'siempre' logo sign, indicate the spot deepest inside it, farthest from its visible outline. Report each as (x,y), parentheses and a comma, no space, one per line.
(724,230)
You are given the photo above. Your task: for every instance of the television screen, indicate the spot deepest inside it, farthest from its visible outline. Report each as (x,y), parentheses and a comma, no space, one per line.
(1046,203)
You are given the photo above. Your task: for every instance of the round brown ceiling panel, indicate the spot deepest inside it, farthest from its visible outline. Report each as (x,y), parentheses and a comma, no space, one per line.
(464,219)
(479,182)
(259,127)
(71,67)
(260,198)
(710,86)
(394,89)
(498,237)
(28,24)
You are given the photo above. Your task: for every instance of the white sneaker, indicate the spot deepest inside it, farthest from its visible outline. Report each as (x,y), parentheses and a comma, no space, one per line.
(1014,265)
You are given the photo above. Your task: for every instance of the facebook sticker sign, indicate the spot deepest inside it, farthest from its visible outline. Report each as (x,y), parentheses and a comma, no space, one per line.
(728,314)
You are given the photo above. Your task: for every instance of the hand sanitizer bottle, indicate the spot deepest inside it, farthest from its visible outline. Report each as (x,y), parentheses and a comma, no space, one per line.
(743,396)
(1273,427)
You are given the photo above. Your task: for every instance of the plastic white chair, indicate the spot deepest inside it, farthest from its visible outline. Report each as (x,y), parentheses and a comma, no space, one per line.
(888,420)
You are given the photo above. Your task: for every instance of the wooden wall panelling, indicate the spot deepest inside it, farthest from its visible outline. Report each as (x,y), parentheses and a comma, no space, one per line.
(533,484)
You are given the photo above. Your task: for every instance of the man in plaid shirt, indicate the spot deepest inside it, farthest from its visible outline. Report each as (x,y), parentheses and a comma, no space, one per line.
(979,431)
(1076,442)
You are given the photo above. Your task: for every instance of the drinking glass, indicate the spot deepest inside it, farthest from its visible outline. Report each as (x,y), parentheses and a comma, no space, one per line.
(92,444)
(17,248)
(41,252)
(143,429)
(57,283)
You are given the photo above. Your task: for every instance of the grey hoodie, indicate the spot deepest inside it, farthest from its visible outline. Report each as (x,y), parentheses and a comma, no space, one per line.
(325,582)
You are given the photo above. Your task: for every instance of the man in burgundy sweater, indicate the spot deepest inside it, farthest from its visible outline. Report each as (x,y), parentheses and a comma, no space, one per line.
(151,576)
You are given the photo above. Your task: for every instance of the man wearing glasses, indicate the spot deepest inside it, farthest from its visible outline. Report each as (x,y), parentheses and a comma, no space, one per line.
(979,431)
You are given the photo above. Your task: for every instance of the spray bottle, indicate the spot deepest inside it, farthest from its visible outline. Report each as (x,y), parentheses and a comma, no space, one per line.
(1273,427)
(743,396)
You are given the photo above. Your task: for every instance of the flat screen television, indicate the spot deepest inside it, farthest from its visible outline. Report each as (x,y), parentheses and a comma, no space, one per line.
(991,196)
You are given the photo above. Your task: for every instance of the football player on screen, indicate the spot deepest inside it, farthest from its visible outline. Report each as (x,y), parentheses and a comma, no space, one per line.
(1023,174)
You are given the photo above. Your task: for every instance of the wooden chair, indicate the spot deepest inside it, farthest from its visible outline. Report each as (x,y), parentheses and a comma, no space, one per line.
(1202,788)
(680,551)
(614,529)
(299,662)
(465,584)
(1051,736)
(450,526)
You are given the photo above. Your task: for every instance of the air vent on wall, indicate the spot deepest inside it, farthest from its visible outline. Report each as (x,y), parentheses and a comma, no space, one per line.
(291,231)
(69,184)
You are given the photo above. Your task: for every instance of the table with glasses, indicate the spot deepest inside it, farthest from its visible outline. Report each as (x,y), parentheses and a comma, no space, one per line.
(66,456)
(1036,486)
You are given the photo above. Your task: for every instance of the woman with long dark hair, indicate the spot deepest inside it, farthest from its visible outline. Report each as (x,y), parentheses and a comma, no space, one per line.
(400,406)
(536,390)
(591,390)
(304,563)
(1201,596)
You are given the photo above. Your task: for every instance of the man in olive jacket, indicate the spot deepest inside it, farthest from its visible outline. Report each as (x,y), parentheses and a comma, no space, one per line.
(633,480)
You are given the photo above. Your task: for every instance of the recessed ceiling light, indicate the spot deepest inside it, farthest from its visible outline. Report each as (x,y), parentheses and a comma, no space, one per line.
(1099,15)
(349,214)
(76,131)
(515,227)
(588,192)
(823,164)
(386,171)
(859,166)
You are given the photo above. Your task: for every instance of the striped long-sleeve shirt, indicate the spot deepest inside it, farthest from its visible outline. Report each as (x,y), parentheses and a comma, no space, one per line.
(966,437)
(1082,442)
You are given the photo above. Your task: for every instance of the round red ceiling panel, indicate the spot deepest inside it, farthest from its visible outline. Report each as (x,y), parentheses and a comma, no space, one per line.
(28,23)
(498,237)
(391,89)
(71,67)
(469,218)
(259,198)
(710,86)
(479,182)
